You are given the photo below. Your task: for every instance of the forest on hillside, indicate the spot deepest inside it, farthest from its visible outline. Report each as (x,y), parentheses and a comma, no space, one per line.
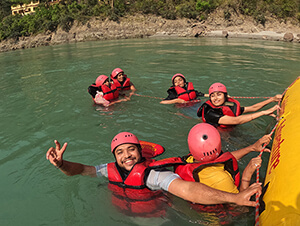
(49,17)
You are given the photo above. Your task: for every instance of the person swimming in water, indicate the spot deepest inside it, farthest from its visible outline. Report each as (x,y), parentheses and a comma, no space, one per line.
(122,82)
(181,91)
(134,175)
(104,93)
(223,111)
(208,164)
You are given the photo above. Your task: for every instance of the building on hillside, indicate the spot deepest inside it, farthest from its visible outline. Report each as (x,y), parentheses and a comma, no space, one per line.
(52,2)
(24,9)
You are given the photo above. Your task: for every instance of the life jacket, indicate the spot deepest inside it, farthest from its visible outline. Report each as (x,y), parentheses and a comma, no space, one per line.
(110,93)
(131,195)
(124,86)
(186,94)
(234,110)
(189,171)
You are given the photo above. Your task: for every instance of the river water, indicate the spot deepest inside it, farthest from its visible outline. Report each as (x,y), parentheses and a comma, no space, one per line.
(44,97)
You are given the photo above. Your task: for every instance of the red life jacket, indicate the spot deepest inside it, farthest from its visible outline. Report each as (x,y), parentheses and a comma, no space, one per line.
(131,195)
(186,94)
(110,93)
(185,170)
(234,110)
(190,171)
(124,86)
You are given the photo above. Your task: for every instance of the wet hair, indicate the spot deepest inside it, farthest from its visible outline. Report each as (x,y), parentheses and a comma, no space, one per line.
(226,97)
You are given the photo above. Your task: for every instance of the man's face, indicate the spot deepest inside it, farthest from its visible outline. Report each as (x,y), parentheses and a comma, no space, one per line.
(127,155)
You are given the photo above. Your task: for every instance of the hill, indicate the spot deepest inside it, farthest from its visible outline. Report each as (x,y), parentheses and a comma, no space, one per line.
(222,20)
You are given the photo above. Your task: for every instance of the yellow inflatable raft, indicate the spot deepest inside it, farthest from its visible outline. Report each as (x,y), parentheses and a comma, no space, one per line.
(281,200)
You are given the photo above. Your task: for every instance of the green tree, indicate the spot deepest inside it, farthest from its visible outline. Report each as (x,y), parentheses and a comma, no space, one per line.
(4,8)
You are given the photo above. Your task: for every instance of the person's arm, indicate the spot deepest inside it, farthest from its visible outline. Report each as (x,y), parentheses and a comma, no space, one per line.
(200,94)
(260,105)
(172,98)
(241,119)
(99,99)
(55,156)
(174,101)
(132,87)
(132,90)
(248,171)
(257,146)
(118,101)
(199,193)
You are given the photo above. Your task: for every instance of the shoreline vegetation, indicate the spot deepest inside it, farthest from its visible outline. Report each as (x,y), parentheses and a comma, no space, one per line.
(219,21)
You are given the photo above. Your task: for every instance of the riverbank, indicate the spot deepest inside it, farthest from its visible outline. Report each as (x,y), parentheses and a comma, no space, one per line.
(143,26)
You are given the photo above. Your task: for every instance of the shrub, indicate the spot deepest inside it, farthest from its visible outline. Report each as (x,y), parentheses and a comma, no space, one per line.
(260,18)
(187,10)
(206,5)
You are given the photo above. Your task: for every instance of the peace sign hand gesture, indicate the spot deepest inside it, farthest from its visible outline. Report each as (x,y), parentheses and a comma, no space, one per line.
(54,155)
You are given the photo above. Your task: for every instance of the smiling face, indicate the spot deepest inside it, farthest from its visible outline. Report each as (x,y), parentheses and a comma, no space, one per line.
(179,81)
(217,98)
(120,77)
(127,155)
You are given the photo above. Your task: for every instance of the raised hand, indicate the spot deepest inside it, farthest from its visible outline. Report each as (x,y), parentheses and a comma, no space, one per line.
(55,155)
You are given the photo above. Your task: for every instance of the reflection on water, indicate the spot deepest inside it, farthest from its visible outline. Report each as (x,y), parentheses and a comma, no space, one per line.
(44,97)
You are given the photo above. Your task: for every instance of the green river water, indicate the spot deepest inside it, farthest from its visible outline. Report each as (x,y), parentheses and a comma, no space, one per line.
(44,97)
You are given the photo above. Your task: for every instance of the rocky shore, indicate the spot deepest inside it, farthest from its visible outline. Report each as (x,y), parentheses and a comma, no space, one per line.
(141,26)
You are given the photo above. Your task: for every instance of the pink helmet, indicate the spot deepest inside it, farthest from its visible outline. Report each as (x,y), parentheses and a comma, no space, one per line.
(100,80)
(123,138)
(115,72)
(217,87)
(178,74)
(204,142)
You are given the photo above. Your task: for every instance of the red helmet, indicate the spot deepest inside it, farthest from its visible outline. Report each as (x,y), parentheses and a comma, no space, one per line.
(217,87)
(204,142)
(115,72)
(123,138)
(178,74)
(100,80)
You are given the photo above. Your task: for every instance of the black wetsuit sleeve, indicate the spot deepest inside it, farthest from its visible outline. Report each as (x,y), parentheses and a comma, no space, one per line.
(211,115)
(199,94)
(242,110)
(93,90)
(171,94)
